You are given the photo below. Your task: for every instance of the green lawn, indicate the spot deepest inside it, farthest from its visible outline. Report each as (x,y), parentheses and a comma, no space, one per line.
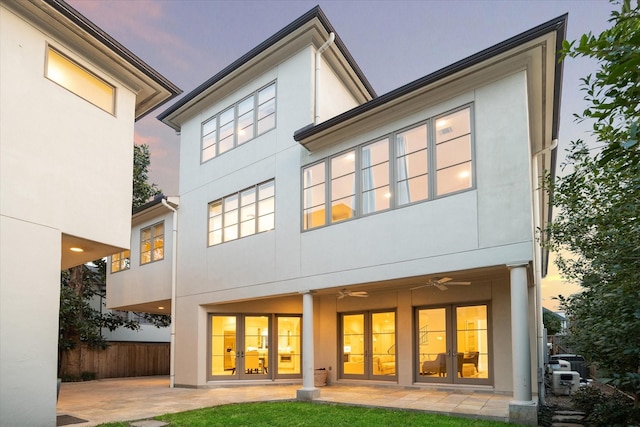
(292,413)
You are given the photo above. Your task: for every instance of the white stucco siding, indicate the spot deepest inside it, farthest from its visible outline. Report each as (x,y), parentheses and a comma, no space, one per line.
(503,163)
(143,283)
(28,331)
(66,151)
(332,95)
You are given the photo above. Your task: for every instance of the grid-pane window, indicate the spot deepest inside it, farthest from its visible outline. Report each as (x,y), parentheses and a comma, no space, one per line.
(152,243)
(443,145)
(242,214)
(453,152)
(120,261)
(412,169)
(343,187)
(239,123)
(313,182)
(376,194)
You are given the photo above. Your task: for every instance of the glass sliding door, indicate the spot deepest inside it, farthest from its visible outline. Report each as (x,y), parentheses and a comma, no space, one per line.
(452,344)
(368,343)
(223,346)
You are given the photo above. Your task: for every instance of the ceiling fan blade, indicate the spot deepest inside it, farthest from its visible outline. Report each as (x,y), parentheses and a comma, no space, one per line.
(360,295)
(442,280)
(420,287)
(459,283)
(441,287)
(340,296)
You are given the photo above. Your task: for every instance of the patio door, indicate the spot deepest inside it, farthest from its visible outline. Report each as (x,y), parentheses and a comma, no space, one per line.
(368,343)
(240,346)
(452,344)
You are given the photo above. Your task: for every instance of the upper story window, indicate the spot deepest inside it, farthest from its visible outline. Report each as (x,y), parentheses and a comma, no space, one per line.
(120,261)
(242,214)
(152,243)
(363,180)
(77,79)
(239,123)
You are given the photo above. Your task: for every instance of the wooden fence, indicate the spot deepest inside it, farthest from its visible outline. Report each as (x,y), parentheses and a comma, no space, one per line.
(120,359)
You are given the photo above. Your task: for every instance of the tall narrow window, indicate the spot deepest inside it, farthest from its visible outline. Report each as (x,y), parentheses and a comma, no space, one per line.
(77,79)
(376,194)
(245,120)
(120,261)
(267,108)
(343,187)
(314,196)
(412,169)
(242,214)
(152,243)
(453,152)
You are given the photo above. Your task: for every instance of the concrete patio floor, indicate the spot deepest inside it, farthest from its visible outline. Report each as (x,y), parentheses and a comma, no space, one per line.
(129,399)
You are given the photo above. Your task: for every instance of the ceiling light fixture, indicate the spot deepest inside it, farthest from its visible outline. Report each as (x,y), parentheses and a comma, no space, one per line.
(76,249)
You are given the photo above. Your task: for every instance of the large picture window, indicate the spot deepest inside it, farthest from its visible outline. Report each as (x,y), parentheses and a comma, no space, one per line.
(152,243)
(363,181)
(242,214)
(243,121)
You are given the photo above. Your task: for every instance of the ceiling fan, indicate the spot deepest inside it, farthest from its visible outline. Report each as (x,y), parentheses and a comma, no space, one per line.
(347,293)
(439,282)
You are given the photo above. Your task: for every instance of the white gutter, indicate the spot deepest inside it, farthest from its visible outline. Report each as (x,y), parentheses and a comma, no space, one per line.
(542,346)
(174,284)
(316,112)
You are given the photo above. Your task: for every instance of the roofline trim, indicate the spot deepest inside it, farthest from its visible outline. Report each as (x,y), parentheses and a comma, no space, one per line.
(112,44)
(316,12)
(557,24)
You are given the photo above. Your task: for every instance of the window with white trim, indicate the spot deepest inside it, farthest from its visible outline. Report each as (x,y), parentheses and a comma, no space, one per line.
(152,243)
(241,122)
(357,182)
(242,214)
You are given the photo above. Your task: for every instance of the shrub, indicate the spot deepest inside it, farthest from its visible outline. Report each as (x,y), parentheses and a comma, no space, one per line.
(88,376)
(605,409)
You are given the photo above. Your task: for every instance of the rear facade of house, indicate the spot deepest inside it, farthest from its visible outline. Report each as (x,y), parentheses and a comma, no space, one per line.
(387,239)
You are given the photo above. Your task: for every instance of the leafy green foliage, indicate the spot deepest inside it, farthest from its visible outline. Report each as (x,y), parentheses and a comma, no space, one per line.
(596,232)
(552,322)
(605,409)
(142,190)
(613,93)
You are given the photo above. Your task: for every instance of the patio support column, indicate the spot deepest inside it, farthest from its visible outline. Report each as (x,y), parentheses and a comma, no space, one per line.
(308,390)
(522,409)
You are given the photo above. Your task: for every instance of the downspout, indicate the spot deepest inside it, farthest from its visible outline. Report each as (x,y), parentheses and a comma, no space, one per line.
(174,284)
(542,346)
(316,107)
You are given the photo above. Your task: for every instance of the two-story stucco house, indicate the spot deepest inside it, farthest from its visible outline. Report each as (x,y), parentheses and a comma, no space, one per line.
(69,97)
(388,239)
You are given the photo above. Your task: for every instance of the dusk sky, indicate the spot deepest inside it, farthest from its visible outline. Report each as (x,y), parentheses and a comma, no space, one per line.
(393,42)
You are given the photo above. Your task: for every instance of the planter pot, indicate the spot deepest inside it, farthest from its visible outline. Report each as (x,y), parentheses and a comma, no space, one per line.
(320,378)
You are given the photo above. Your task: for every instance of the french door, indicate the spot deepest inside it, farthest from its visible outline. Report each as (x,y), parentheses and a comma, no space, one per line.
(368,343)
(243,346)
(452,344)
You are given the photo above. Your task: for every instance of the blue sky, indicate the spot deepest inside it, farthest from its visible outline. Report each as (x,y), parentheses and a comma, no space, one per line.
(393,42)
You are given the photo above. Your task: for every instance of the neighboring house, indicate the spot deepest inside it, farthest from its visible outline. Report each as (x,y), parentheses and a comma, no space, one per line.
(389,239)
(70,95)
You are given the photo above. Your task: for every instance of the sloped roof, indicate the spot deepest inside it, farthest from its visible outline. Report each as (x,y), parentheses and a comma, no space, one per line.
(315,13)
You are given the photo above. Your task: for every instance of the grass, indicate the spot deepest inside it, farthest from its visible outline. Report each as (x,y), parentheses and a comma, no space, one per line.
(294,413)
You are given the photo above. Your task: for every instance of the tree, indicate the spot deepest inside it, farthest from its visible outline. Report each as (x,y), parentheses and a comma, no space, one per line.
(142,190)
(552,322)
(80,321)
(596,231)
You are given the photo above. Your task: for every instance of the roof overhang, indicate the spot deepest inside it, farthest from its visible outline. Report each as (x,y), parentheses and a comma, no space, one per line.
(311,29)
(64,23)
